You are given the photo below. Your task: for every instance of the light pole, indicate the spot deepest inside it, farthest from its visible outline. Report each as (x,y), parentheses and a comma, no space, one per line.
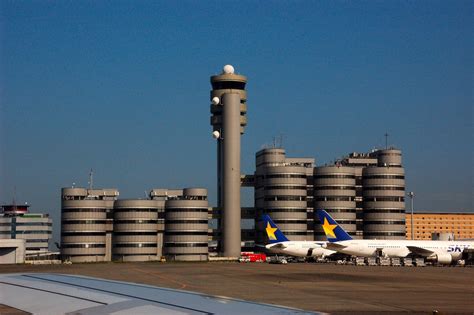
(411,194)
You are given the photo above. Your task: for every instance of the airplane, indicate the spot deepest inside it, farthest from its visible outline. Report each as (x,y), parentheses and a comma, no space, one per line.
(51,293)
(279,244)
(443,252)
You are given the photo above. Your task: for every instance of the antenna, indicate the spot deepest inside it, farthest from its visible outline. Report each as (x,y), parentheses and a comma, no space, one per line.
(277,142)
(386,140)
(14,196)
(91,179)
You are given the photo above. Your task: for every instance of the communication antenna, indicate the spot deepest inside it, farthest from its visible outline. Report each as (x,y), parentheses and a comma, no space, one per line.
(14,196)
(14,199)
(91,179)
(281,140)
(386,141)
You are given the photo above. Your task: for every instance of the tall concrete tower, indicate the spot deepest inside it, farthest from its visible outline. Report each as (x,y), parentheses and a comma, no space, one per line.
(228,109)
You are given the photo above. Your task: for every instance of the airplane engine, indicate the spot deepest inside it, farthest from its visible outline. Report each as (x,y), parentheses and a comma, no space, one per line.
(444,258)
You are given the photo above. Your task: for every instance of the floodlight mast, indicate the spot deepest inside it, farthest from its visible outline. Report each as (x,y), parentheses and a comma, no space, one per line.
(411,194)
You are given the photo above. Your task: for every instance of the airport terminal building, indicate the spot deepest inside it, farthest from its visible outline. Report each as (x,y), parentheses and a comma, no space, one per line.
(23,234)
(364,192)
(442,225)
(34,228)
(96,226)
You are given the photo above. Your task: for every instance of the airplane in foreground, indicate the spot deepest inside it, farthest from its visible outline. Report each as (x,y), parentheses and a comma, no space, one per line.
(279,244)
(443,252)
(54,294)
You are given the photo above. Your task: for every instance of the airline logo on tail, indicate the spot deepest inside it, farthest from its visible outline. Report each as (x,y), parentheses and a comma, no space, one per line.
(273,232)
(333,231)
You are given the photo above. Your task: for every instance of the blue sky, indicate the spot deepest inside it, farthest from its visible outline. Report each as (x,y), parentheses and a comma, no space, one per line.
(123,87)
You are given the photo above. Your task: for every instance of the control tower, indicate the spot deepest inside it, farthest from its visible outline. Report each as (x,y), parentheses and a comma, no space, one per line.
(228,110)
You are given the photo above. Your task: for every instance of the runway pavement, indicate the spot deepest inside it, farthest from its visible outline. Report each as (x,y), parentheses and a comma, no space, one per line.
(337,289)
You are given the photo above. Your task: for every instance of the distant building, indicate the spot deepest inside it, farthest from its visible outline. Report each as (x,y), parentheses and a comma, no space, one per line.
(136,235)
(380,193)
(86,224)
(335,192)
(186,226)
(459,224)
(12,251)
(364,192)
(35,228)
(96,227)
(281,190)
(359,161)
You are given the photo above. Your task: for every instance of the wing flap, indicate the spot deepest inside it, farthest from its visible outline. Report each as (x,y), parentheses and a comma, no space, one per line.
(420,251)
(277,246)
(335,246)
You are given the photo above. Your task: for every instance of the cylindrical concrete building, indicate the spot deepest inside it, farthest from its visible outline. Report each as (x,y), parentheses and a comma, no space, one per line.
(86,224)
(384,202)
(280,192)
(335,192)
(135,230)
(186,226)
(83,226)
(389,157)
(228,120)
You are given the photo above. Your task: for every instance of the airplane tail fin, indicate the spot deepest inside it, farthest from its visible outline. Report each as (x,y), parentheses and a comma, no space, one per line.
(273,232)
(334,232)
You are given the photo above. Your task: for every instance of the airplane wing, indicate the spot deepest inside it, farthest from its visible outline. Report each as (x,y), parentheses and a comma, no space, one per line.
(335,246)
(52,294)
(277,246)
(420,251)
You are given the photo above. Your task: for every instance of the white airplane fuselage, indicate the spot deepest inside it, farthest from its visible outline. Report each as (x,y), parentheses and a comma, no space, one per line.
(300,249)
(401,248)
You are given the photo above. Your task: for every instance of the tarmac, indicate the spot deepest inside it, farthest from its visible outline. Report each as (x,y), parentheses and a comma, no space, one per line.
(336,289)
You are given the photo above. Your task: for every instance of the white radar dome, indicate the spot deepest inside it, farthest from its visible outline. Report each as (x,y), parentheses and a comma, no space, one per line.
(215,100)
(228,69)
(216,134)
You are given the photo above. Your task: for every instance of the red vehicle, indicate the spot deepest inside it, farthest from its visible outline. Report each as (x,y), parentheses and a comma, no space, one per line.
(252,257)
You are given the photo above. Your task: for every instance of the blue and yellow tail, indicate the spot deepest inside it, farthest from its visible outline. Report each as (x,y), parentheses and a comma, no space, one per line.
(333,231)
(273,232)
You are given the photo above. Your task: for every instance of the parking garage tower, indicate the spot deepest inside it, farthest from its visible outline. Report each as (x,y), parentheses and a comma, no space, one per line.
(228,110)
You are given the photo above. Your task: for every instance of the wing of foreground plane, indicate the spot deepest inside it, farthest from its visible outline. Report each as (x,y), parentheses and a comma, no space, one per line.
(52,294)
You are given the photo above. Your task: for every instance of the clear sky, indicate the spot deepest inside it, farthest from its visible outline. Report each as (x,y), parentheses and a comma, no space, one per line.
(123,87)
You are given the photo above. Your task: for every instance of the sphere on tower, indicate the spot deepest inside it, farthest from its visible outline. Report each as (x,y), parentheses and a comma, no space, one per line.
(228,69)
